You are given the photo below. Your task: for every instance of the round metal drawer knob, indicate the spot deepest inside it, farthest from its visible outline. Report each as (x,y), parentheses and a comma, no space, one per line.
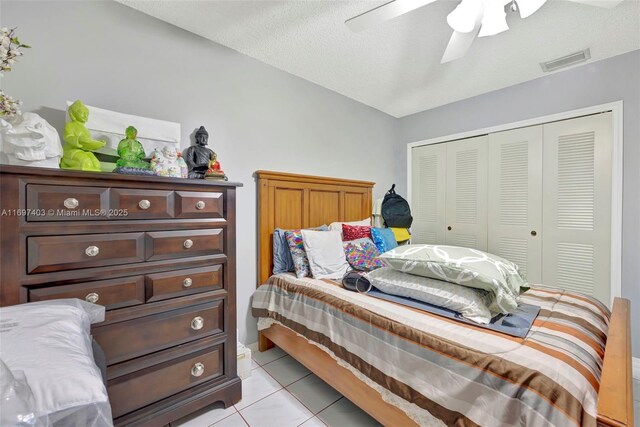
(70,203)
(144,204)
(197,323)
(200,205)
(92,251)
(92,297)
(197,369)
(187,282)
(188,243)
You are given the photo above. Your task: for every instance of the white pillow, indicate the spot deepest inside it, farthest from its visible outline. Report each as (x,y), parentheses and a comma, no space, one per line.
(326,254)
(50,343)
(337,226)
(473,304)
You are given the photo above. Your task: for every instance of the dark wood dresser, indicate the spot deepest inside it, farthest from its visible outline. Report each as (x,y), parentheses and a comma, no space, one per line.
(158,253)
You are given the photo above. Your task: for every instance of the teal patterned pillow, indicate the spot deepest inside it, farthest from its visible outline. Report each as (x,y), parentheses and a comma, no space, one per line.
(384,239)
(362,254)
(462,266)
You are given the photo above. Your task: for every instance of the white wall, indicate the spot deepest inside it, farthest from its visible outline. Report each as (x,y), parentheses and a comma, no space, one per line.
(600,82)
(258,117)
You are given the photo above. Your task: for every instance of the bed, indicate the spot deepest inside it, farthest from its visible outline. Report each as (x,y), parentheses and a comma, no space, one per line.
(600,362)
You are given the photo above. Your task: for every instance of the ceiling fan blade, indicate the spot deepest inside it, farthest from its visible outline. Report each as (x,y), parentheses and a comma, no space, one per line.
(384,13)
(459,44)
(607,4)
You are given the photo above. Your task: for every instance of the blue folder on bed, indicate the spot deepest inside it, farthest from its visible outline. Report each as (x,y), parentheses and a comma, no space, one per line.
(516,324)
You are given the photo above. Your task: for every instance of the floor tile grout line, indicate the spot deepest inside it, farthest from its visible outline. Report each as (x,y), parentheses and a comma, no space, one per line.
(261,365)
(224,418)
(309,409)
(299,379)
(244,419)
(285,386)
(262,398)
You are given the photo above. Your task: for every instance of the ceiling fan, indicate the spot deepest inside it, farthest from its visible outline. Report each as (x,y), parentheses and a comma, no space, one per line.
(471,17)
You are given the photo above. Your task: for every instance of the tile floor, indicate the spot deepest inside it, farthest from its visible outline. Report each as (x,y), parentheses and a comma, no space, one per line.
(282,393)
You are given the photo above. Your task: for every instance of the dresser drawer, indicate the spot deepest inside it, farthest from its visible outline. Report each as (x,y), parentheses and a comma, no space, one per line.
(129,203)
(178,244)
(55,253)
(191,204)
(137,337)
(112,294)
(173,284)
(130,392)
(61,202)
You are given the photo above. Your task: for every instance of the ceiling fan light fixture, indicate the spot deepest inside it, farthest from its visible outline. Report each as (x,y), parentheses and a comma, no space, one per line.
(494,19)
(463,18)
(529,7)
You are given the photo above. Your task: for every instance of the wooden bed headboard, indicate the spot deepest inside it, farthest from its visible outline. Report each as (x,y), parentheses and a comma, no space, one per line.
(289,201)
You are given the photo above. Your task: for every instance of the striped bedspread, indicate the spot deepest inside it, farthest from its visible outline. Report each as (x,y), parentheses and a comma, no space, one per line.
(443,372)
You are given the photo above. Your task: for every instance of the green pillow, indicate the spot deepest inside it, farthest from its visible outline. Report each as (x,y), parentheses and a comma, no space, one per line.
(462,266)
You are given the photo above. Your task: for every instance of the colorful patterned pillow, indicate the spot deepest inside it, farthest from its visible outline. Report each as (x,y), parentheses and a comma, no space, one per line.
(298,254)
(353,232)
(384,239)
(282,260)
(362,255)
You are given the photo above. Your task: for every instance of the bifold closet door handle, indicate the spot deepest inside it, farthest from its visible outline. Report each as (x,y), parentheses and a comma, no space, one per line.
(534,233)
(449,228)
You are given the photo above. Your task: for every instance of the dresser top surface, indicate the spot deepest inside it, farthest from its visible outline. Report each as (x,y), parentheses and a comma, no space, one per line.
(110,176)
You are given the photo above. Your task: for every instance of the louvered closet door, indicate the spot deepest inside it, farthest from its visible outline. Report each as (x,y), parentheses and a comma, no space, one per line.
(428,192)
(577,205)
(466,212)
(515,198)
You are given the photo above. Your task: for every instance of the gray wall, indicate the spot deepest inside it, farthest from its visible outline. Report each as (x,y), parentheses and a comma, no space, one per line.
(609,80)
(258,117)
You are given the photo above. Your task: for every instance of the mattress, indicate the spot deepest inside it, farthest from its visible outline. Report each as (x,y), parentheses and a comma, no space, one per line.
(443,372)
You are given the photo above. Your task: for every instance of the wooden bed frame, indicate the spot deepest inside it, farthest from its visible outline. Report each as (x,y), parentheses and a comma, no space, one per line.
(297,201)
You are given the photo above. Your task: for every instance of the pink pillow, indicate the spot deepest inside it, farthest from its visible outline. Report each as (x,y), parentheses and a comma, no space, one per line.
(353,232)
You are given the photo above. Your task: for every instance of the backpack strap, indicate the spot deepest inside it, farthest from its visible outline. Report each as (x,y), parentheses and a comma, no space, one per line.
(392,191)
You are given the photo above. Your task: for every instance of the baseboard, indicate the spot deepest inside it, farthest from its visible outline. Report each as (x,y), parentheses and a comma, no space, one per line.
(636,368)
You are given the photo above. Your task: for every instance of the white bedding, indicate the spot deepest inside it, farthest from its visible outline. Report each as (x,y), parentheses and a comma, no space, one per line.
(48,344)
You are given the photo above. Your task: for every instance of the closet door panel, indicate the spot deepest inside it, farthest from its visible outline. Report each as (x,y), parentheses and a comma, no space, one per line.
(577,205)
(428,194)
(466,195)
(515,198)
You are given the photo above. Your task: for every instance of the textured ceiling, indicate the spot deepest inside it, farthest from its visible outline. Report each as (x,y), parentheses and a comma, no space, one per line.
(395,67)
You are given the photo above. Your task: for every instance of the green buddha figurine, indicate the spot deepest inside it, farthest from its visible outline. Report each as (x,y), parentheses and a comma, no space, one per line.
(131,151)
(78,142)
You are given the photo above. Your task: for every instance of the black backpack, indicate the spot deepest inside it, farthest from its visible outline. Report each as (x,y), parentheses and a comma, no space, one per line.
(395,210)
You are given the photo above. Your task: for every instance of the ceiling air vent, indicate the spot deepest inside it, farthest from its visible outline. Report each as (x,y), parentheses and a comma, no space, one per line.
(565,61)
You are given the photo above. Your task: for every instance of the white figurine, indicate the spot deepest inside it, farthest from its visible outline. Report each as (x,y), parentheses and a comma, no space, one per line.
(168,162)
(28,140)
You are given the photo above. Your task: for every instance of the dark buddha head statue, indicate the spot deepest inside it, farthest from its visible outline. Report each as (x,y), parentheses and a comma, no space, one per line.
(202,136)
